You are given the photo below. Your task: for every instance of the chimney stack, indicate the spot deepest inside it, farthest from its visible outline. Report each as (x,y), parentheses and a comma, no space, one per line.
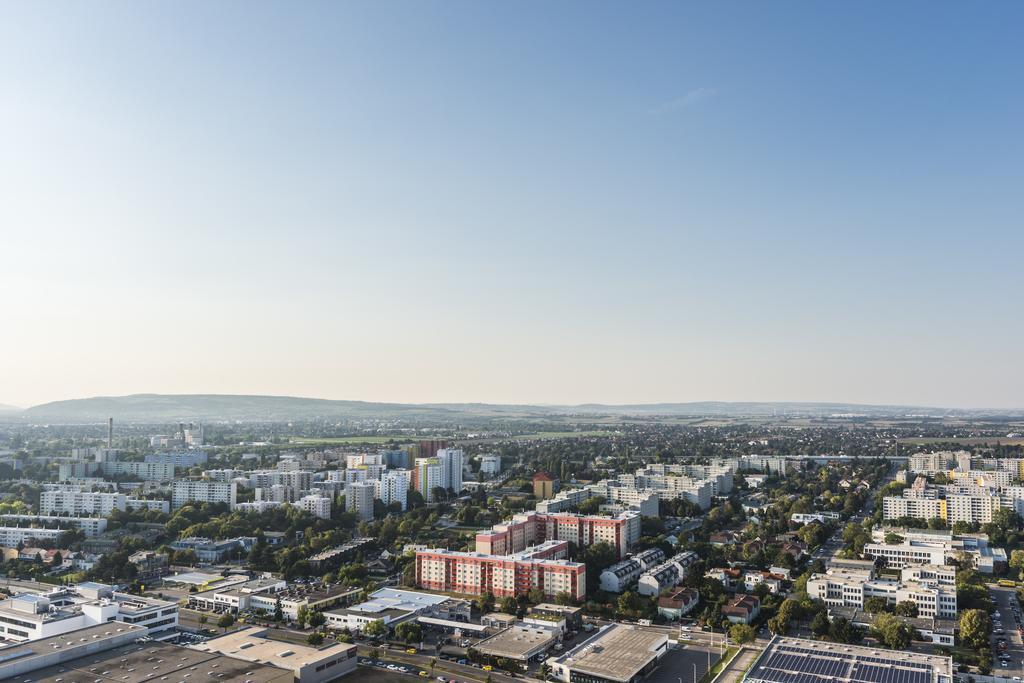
(110,432)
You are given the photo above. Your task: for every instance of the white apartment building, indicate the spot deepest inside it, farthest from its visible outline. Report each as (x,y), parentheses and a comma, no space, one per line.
(428,477)
(11,536)
(92,526)
(359,499)
(490,464)
(932,463)
(769,464)
(224,475)
(451,461)
(152,504)
(81,503)
(155,471)
(185,491)
(393,487)
(895,507)
(318,506)
(621,575)
(667,574)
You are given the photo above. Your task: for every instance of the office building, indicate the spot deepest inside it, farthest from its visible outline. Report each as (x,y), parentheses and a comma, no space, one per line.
(33,616)
(931,587)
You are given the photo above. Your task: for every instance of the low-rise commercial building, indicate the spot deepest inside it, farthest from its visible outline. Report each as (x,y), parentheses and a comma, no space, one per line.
(617,654)
(800,659)
(309,664)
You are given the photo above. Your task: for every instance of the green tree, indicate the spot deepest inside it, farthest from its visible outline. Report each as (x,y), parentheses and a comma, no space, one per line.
(315,638)
(875,605)
(842,631)
(1017,562)
(485,602)
(375,629)
(509,605)
(906,608)
(630,603)
(226,621)
(317,619)
(535,596)
(565,598)
(742,634)
(302,616)
(891,631)
(975,628)
(820,624)
(409,631)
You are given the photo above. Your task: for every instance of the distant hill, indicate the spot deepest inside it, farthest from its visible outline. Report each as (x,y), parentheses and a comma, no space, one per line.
(4,408)
(174,407)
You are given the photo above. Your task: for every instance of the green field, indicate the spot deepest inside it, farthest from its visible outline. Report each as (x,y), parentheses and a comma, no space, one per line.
(333,440)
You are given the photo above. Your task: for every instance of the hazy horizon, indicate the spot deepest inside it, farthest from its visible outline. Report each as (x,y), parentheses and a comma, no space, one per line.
(529,203)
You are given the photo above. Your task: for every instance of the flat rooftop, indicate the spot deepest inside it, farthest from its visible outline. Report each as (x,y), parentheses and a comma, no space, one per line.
(520,641)
(617,652)
(792,660)
(139,662)
(393,598)
(250,644)
(90,634)
(195,578)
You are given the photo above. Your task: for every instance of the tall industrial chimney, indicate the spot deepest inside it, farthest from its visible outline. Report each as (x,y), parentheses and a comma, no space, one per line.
(110,432)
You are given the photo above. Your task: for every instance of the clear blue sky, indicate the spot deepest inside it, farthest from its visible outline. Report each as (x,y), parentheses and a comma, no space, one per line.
(536,202)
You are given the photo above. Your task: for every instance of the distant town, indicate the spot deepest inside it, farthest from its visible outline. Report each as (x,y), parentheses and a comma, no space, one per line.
(794,548)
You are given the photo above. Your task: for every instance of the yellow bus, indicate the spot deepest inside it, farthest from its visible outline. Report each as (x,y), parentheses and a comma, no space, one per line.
(1006,583)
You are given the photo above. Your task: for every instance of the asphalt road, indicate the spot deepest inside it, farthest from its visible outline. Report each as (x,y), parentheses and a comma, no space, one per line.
(1005,602)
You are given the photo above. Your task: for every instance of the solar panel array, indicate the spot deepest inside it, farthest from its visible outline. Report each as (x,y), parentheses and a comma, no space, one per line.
(793,664)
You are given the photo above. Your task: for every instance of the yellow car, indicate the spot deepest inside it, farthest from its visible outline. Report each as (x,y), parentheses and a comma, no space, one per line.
(411,651)
(487,667)
(424,674)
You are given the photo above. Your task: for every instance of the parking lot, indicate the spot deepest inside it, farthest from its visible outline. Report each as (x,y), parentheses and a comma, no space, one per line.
(688,663)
